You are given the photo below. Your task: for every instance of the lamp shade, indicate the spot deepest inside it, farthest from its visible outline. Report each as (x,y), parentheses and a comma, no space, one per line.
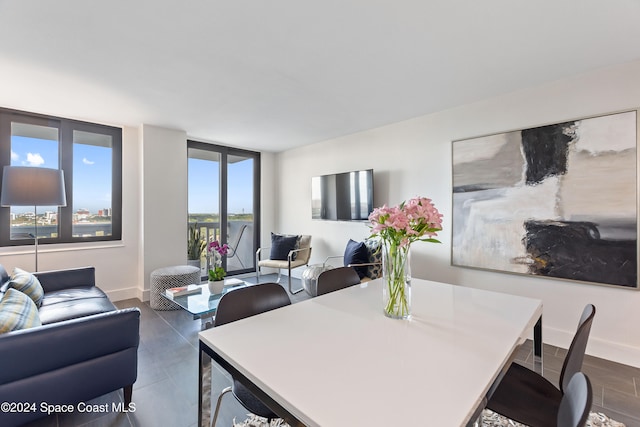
(32,186)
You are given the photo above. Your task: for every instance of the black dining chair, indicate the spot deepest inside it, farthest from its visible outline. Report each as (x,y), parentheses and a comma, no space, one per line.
(336,279)
(527,397)
(576,402)
(239,304)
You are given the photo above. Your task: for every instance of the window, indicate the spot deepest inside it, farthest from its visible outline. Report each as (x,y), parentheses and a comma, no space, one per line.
(90,156)
(92,184)
(224,195)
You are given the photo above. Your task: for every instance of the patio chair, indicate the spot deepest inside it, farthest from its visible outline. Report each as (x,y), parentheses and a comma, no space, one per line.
(233,246)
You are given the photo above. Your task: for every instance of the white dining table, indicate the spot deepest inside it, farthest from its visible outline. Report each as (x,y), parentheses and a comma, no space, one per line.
(337,360)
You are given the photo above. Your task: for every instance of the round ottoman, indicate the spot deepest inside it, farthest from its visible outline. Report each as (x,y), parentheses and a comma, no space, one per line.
(310,277)
(171,277)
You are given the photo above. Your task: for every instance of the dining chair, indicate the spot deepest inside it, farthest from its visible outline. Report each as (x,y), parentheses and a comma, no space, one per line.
(527,397)
(239,304)
(336,279)
(576,402)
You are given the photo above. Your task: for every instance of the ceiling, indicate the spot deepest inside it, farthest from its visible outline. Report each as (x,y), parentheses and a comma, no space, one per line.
(272,75)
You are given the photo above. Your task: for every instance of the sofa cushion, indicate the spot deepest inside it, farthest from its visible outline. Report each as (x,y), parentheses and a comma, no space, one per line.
(28,284)
(17,311)
(72,303)
(356,253)
(281,245)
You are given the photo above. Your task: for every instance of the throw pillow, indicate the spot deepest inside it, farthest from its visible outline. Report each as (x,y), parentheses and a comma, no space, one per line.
(357,253)
(281,245)
(28,284)
(17,311)
(375,258)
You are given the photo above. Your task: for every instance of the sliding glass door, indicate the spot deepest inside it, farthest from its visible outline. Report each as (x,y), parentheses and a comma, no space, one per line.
(224,185)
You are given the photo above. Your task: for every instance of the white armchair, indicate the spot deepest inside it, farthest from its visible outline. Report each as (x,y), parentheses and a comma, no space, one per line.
(295,257)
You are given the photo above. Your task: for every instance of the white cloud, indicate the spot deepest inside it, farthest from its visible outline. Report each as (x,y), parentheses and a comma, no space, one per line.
(34,159)
(87,161)
(14,156)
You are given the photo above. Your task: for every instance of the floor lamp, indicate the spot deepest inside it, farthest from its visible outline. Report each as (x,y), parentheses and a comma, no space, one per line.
(32,186)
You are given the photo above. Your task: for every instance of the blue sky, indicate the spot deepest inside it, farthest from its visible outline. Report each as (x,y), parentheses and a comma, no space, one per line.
(204,184)
(91,167)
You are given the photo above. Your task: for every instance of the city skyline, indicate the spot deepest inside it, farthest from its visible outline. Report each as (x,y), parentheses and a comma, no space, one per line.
(78,213)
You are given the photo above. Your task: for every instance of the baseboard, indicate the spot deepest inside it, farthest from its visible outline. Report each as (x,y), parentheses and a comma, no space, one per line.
(597,347)
(122,294)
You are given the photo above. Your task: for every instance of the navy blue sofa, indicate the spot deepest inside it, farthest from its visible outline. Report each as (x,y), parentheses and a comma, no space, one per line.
(85,348)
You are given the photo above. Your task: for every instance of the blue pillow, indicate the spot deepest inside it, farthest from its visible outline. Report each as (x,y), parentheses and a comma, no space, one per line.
(281,245)
(356,253)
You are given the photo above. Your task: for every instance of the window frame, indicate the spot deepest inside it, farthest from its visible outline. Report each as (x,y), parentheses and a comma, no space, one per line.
(65,127)
(225,152)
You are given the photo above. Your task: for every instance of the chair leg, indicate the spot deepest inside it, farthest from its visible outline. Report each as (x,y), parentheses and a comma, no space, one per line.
(291,291)
(258,266)
(215,414)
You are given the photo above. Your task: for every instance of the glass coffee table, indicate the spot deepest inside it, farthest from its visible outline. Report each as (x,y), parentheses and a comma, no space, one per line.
(203,304)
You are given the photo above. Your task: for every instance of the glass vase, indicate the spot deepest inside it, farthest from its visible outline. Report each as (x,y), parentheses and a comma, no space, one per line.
(396,276)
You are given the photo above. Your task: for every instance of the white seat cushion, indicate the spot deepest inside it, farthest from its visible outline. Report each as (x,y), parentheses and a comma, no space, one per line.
(281,264)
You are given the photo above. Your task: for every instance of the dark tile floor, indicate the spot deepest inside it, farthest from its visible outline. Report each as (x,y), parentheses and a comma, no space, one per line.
(166,392)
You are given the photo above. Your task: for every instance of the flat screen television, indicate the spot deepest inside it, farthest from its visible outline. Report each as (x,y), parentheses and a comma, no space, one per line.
(344,196)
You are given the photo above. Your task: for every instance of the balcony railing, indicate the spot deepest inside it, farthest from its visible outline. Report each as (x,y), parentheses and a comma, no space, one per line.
(240,240)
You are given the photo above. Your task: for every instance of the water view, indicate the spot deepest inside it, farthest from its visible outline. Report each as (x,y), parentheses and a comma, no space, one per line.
(79,230)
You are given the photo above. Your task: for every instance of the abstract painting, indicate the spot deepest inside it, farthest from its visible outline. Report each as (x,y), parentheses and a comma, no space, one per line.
(555,201)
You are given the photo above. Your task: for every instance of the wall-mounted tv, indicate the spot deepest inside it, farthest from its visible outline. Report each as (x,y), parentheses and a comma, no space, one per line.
(344,196)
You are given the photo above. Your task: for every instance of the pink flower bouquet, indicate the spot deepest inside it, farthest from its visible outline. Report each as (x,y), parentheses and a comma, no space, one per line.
(398,227)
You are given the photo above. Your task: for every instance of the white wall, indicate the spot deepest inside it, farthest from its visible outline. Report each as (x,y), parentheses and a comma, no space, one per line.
(268,196)
(413,158)
(164,200)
